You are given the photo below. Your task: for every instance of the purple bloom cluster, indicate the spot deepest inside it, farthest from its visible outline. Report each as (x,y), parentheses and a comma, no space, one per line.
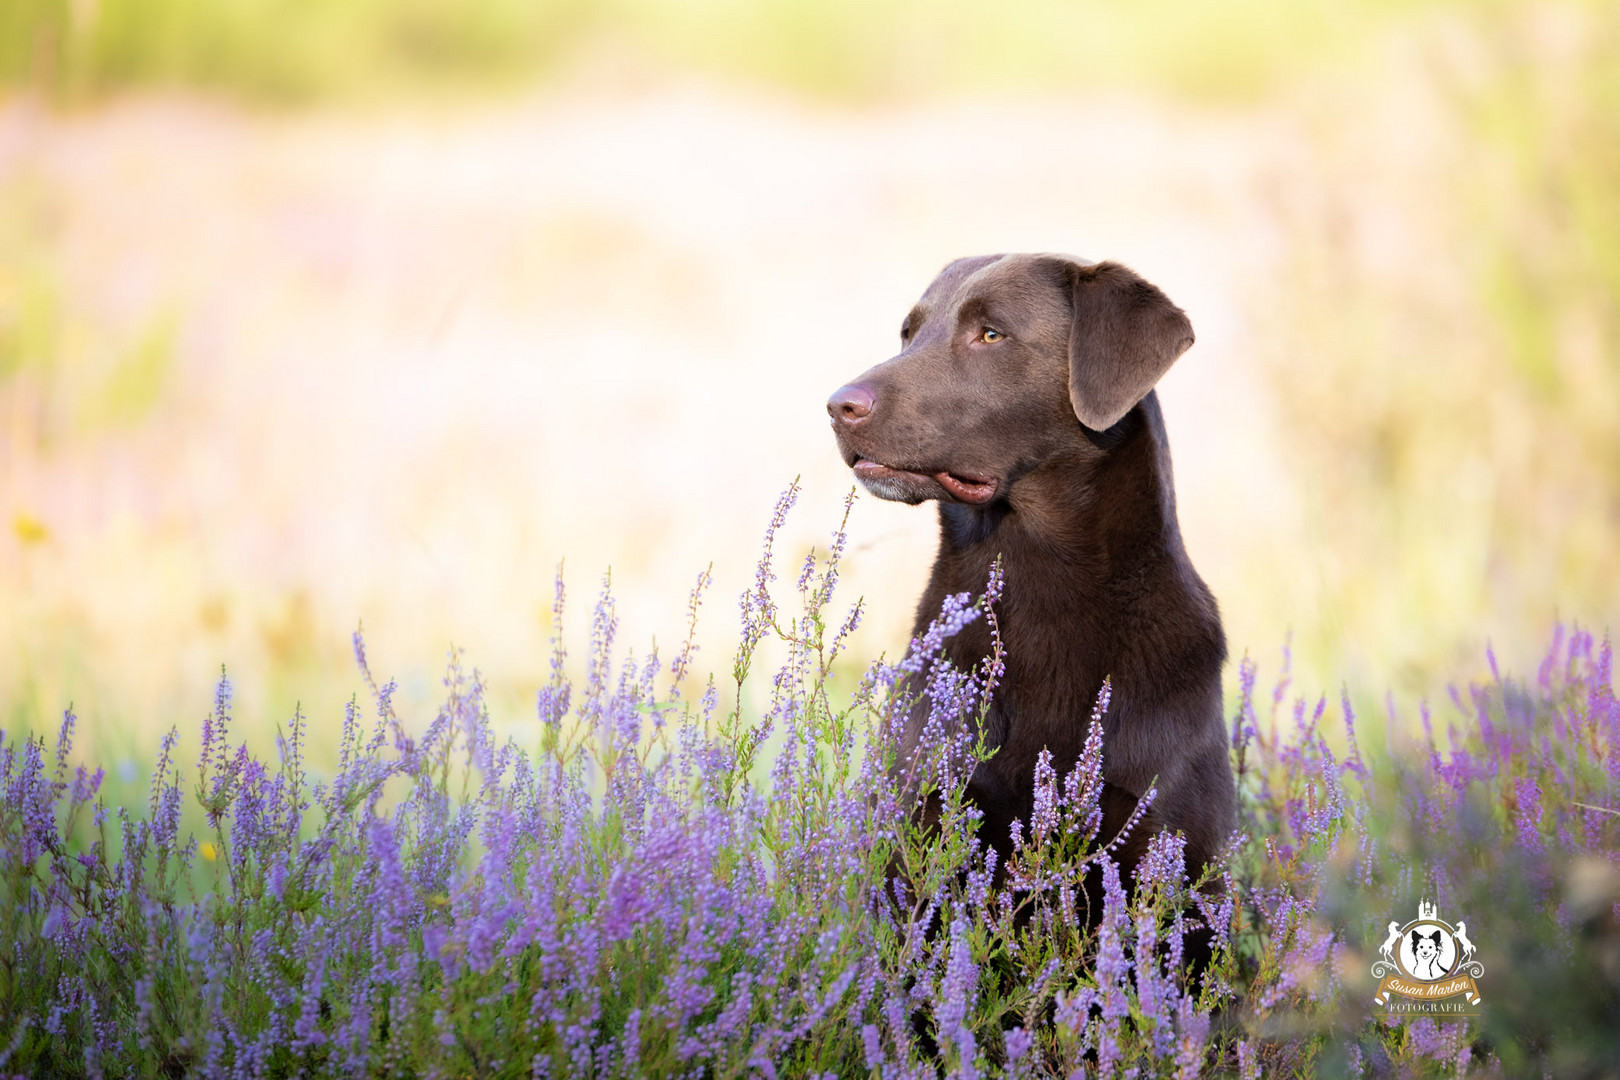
(664,887)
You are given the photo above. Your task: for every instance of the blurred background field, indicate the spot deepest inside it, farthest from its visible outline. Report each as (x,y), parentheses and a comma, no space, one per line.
(360,311)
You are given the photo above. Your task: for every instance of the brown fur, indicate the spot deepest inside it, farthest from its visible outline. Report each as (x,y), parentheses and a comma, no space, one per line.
(1047,448)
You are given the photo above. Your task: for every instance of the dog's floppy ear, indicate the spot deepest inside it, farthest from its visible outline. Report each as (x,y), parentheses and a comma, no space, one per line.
(1125,335)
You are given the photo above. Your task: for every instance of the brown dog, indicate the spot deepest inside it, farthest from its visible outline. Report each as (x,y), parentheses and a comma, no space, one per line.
(1022,400)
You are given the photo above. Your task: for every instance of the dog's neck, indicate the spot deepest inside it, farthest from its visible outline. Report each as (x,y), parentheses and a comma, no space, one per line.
(1098,582)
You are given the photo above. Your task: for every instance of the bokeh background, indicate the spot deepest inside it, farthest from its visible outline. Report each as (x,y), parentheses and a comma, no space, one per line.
(372,311)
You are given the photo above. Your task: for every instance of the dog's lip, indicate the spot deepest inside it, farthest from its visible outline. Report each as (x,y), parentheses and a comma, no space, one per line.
(966,488)
(973,488)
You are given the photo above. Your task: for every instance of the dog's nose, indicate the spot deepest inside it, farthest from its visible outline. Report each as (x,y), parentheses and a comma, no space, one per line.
(850,404)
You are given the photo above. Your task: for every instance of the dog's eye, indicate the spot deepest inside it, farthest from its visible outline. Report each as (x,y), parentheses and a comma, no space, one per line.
(990,337)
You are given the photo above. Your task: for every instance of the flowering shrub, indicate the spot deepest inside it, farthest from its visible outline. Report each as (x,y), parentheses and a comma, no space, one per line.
(666,885)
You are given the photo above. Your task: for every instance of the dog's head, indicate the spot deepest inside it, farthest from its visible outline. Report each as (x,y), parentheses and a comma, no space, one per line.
(1005,361)
(1425,946)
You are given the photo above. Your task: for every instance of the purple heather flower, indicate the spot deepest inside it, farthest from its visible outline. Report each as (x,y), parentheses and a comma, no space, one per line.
(1433,1040)
(954,614)
(1044,818)
(1353,762)
(1156,994)
(1112,968)
(956,996)
(1248,1055)
(1192,1033)
(1243,726)
(757,608)
(1084,786)
(872,1044)
(1165,862)
(1528,812)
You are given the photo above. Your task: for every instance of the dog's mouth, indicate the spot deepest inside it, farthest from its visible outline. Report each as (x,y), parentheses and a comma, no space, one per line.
(971,488)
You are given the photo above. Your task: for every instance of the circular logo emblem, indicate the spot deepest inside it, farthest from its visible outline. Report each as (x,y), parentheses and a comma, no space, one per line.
(1427,951)
(1428,964)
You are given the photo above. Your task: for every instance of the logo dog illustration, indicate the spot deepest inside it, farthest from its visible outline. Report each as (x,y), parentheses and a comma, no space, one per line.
(1427,960)
(1426,955)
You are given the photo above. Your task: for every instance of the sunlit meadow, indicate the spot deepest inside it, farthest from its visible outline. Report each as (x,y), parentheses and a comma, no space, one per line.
(371,318)
(647,891)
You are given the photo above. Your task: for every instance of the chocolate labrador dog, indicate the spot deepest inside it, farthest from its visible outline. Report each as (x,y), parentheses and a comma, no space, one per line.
(1022,401)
